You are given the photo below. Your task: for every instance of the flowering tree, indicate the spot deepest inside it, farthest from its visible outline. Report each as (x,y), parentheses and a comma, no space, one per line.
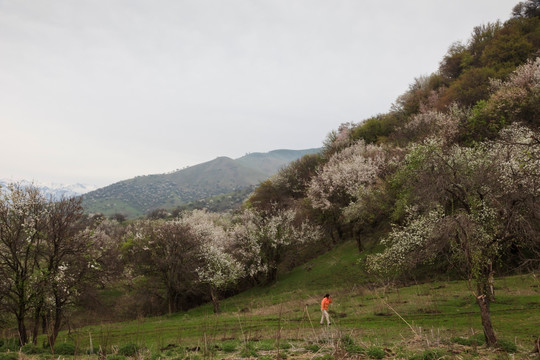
(473,203)
(345,174)
(44,257)
(165,252)
(431,123)
(217,267)
(262,237)
(219,270)
(21,210)
(344,179)
(69,260)
(516,99)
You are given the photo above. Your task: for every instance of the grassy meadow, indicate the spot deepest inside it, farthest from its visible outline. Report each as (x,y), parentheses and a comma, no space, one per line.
(432,320)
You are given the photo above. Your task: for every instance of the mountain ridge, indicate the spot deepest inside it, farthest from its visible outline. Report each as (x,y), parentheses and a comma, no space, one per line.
(142,194)
(54,190)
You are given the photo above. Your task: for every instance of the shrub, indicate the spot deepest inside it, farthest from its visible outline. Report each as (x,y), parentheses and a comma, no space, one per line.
(265,346)
(128,349)
(507,346)
(285,346)
(346,340)
(429,354)
(228,347)
(31,349)
(350,346)
(9,356)
(475,340)
(248,351)
(64,349)
(9,345)
(375,352)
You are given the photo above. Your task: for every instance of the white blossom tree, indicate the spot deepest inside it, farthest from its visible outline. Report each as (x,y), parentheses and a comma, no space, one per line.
(262,237)
(219,270)
(165,252)
(473,203)
(21,223)
(44,257)
(217,267)
(344,180)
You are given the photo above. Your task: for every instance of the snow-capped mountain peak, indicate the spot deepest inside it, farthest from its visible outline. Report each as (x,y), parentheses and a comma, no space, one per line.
(56,190)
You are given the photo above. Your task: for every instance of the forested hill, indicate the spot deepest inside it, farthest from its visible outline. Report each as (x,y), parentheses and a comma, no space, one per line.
(446,182)
(140,195)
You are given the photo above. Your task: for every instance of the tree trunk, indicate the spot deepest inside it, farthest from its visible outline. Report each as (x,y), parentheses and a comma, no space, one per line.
(272,275)
(56,326)
(23,336)
(37,318)
(358,239)
(215,299)
(171,299)
(483,303)
(170,304)
(58,322)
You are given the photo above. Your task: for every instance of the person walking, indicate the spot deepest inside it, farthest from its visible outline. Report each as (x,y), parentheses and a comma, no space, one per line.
(326,301)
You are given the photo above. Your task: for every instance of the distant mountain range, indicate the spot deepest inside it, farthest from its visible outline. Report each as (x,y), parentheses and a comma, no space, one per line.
(140,195)
(56,191)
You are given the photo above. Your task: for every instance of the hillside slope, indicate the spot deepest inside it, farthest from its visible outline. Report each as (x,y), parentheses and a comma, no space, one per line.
(140,195)
(365,312)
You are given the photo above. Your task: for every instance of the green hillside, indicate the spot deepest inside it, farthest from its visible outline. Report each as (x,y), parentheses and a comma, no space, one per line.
(271,162)
(439,317)
(139,196)
(423,224)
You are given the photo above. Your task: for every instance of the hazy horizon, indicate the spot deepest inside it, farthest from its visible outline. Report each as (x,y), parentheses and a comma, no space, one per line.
(96,92)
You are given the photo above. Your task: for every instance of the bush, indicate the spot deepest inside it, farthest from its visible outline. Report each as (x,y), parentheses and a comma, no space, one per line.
(475,340)
(9,345)
(248,351)
(32,349)
(430,354)
(285,346)
(64,349)
(228,347)
(375,352)
(9,356)
(507,346)
(346,340)
(128,349)
(350,346)
(265,346)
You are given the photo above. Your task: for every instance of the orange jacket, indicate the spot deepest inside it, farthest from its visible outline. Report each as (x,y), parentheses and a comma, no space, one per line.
(325,302)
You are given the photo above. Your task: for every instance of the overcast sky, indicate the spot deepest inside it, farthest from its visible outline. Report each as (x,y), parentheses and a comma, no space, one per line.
(98,91)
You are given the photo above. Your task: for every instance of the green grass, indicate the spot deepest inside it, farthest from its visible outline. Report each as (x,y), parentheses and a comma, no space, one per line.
(365,319)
